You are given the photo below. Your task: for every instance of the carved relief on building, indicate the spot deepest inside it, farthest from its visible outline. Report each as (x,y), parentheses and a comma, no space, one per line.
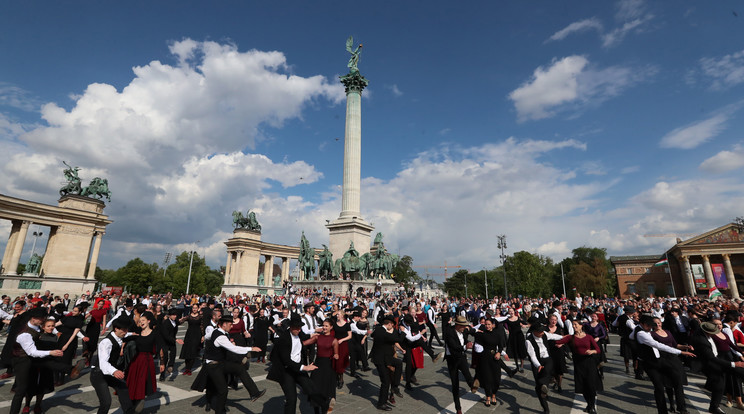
(72,229)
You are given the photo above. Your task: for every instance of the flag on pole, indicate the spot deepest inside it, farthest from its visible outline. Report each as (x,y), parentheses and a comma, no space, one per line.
(714,293)
(662,262)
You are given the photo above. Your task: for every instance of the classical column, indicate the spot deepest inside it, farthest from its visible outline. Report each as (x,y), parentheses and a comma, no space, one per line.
(237,268)
(14,230)
(684,263)
(94,257)
(351,190)
(268,268)
(227,268)
(708,272)
(730,276)
(285,268)
(15,256)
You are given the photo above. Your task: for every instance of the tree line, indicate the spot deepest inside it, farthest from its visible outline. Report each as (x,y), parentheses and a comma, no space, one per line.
(588,271)
(140,277)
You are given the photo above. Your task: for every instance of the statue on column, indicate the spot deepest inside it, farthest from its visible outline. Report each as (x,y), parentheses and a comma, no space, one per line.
(325,265)
(34,263)
(73,185)
(249,222)
(261,279)
(307,257)
(355,55)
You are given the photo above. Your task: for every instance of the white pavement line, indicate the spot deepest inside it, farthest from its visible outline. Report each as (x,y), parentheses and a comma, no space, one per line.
(467,401)
(59,394)
(696,398)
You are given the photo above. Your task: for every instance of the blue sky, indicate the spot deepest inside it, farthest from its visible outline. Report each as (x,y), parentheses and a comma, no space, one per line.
(557,124)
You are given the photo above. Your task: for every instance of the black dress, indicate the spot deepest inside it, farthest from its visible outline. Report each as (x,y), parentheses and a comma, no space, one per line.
(192,339)
(516,347)
(488,368)
(140,375)
(42,377)
(260,334)
(558,355)
(66,329)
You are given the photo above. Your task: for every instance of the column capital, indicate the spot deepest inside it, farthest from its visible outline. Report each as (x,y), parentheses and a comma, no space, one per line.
(354,82)
(705,256)
(684,258)
(726,256)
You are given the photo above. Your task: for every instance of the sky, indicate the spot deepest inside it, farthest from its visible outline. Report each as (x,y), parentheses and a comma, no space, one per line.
(557,124)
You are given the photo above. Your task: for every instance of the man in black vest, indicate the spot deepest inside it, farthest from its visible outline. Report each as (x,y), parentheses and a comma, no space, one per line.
(24,350)
(431,319)
(106,371)
(356,345)
(542,364)
(287,369)
(382,355)
(216,367)
(660,370)
(455,345)
(310,327)
(168,332)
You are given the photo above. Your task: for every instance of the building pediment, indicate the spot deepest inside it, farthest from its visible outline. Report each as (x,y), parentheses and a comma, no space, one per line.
(724,234)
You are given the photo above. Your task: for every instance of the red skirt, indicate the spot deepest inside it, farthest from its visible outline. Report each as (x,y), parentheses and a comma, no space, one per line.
(141,376)
(417,355)
(340,364)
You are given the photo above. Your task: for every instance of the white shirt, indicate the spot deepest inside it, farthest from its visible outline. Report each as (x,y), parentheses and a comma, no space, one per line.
(5,315)
(310,324)
(209,329)
(296,354)
(223,341)
(432,315)
(27,343)
(543,350)
(104,353)
(645,338)
(355,329)
(460,337)
(410,337)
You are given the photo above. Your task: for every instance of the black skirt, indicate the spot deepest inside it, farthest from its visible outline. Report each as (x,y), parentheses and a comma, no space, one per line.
(586,375)
(324,378)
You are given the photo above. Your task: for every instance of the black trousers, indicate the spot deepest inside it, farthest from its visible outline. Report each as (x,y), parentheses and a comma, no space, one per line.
(543,378)
(410,369)
(101,384)
(22,370)
(238,370)
(433,333)
(385,383)
(455,365)
(289,386)
(169,355)
(308,354)
(216,387)
(356,354)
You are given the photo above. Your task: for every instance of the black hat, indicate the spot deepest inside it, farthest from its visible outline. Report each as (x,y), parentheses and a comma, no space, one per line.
(295,321)
(388,318)
(404,309)
(128,303)
(556,303)
(122,322)
(356,315)
(307,305)
(629,310)
(252,308)
(38,313)
(573,308)
(408,319)
(538,327)
(226,318)
(390,302)
(174,311)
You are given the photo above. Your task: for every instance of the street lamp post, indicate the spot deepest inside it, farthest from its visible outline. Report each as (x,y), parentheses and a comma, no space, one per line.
(502,246)
(191,262)
(36,234)
(485,281)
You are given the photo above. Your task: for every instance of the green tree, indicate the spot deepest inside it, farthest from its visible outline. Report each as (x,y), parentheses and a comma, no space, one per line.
(589,271)
(137,276)
(203,279)
(529,274)
(404,273)
(455,284)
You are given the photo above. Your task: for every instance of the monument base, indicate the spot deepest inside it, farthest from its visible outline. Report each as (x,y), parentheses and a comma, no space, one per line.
(58,286)
(344,231)
(252,289)
(341,287)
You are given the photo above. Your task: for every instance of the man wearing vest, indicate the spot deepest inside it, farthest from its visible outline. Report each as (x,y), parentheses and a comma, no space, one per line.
(455,345)
(356,345)
(217,345)
(106,371)
(310,327)
(287,369)
(431,319)
(542,364)
(168,331)
(384,340)
(23,351)
(658,366)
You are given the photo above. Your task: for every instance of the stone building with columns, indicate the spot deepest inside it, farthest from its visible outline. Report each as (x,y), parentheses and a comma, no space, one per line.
(720,249)
(76,226)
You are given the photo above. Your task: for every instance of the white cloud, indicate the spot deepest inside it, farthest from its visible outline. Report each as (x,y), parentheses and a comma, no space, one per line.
(576,27)
(617,35)
(630,9)
(16,97)
(630,169)
(690,136)
(573,81)
(554,249)
(725,161)
(724,71)
(396,92)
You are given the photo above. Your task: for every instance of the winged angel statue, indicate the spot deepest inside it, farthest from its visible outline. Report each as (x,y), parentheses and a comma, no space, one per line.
(354,59)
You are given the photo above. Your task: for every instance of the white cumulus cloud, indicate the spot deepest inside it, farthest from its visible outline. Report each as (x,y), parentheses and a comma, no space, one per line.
(725,161)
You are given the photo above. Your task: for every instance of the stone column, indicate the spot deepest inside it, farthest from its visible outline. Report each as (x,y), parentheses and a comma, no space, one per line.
(684,263)
(237,268)
(15,256)
(350,197)
(708,272)
(268,269)
(285,268)
(94,257)
(14,230)
(227,268)
(730,276)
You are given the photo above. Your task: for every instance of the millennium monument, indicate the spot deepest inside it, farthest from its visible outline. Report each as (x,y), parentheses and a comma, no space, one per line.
(350,227)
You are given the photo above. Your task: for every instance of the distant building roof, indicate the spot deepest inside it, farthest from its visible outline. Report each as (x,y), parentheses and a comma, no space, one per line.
(634,258)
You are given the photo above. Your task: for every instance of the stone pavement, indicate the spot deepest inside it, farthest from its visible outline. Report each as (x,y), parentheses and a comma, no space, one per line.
(623,394)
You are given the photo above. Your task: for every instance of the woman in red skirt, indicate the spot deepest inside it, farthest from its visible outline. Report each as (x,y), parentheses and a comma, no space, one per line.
(342,332)
(140,375)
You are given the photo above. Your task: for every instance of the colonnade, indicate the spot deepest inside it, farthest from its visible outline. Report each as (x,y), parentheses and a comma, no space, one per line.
(684,261)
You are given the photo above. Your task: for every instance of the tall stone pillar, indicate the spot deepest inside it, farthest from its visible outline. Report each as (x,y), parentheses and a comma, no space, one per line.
(708,272)
(268,270)
(94,256)
(10,246)
(350,226)
(227,267)
(285,268)
(15,255)
(684,263)
(237,268)
(730,276)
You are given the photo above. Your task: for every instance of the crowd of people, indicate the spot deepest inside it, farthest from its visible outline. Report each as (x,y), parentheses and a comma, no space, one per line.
(315,339)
